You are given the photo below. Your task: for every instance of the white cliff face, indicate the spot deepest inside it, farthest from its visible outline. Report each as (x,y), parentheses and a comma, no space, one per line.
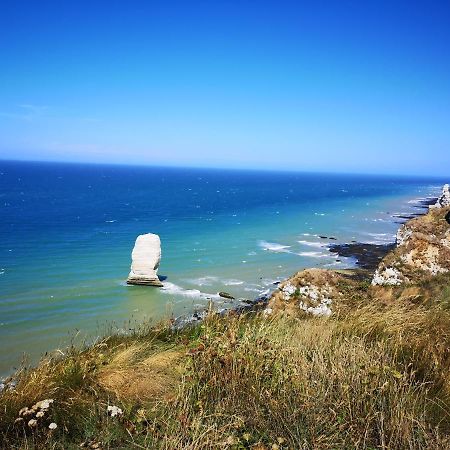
(423,247)
(444,200)
(145,257)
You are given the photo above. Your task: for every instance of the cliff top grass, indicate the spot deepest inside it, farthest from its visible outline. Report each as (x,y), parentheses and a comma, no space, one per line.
(376,374)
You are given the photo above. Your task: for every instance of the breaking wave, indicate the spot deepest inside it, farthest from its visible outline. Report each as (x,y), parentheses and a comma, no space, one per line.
(274,247)
(174,289)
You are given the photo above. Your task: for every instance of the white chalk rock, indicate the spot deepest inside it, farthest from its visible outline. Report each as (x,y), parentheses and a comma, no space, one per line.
(145,260)
(444,200)
(388,276)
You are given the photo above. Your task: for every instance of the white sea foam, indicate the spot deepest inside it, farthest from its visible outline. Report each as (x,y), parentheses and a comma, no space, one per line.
(174,289)
(204,281)
(232,282)
(312,244)
(314,254)
(252,289)
(380,238)
(110,221)
(274,247)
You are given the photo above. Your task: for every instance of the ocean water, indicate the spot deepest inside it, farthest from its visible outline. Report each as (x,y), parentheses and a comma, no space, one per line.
(67,231)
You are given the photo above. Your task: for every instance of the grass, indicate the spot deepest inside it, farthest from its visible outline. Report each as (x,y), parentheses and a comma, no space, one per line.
(374,375)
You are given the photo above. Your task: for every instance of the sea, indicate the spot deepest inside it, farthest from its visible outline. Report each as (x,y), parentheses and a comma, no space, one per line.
(67,232)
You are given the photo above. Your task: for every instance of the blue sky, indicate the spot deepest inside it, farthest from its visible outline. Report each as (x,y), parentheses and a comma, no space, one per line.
(326,85)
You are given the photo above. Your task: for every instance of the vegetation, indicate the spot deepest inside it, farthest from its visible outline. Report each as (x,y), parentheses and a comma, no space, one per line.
(373,375)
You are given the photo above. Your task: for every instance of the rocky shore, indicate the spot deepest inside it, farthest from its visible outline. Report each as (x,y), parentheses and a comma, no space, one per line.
(315,289)
(421,251)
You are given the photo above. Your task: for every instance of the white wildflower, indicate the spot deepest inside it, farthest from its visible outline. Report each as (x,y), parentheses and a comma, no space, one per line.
(40,414)
(43,404)
(23,410)
(32,423)
(114,411)
(53,426)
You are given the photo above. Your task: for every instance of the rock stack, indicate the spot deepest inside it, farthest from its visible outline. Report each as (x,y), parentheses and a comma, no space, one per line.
(145,260)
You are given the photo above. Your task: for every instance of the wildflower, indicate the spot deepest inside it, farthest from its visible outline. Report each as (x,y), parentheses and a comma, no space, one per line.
(114,411)
(43,404)
(53,426)
(32,423)
(247,436)
(40,414)
(18,420)
(23,411)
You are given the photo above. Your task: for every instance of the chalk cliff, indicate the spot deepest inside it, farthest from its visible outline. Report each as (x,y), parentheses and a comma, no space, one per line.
(423,248)
(444,200)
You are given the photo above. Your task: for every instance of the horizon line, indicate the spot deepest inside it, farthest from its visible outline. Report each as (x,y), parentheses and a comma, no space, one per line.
(224,168)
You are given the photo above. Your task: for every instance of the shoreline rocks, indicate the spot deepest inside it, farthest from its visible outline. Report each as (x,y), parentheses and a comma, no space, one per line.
(146,257)
(367,256)
(317,292)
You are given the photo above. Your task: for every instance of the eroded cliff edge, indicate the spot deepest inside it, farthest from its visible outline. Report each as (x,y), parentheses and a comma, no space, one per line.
(421,252)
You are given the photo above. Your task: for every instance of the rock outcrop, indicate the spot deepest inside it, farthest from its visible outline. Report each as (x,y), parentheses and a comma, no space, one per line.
(444,200)
(145,260)
(423,248)
(310,291)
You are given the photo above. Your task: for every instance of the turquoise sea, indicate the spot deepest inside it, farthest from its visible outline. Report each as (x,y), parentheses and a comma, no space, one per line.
(67,231)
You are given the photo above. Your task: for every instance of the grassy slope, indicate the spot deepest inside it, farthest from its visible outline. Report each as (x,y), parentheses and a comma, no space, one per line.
(375,375)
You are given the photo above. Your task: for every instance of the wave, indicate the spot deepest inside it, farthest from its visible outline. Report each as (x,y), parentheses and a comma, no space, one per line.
(232,282)
(174,289)
(274,247)
(204,281)
(312,244)
(314,254)
(380,238)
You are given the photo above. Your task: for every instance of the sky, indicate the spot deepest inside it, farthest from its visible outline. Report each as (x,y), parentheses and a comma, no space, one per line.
(334,86)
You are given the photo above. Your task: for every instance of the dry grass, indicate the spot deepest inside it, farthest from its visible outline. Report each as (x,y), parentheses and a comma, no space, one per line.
(305,384)
(374,375)
(132,375)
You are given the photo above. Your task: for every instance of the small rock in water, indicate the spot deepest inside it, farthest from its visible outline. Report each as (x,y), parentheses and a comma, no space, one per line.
(226,295)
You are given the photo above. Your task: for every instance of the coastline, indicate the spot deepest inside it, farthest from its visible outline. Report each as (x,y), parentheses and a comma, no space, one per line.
(366,256)
(382,339)
(268,286)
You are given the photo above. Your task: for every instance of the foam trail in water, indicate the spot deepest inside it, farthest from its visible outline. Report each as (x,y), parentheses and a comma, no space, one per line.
(232,282)
(274,247)
(312,244)
(174,289)
(314,254)
(204,281)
